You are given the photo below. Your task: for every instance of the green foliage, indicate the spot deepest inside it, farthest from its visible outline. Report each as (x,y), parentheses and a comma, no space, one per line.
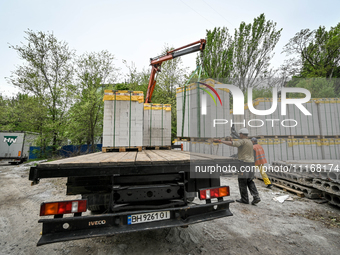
(47,74)
(136,81)
(22,113)
(122,86)
(242,59)
(260,93)
(318,87)
(253,47)
(318,51)
(93,71)
(217,58)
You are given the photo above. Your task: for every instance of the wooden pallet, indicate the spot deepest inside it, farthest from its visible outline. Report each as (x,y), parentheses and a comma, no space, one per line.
(184,139)
(330,136)
(291,136)
(305,136)
(122,149)
(271,136)
(157,147)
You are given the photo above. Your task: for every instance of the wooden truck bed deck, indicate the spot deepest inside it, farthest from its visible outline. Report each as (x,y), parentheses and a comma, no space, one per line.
(127,163)
(147,157)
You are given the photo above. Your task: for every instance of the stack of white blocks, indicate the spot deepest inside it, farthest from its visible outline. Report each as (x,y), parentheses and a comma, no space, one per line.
(272,124)
(329,116)
(325,118)
(195,123)
(157,125)
(123,119)
(277,149)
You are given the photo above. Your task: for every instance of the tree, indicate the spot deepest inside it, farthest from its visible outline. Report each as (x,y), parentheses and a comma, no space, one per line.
(46,74)
(317,51)
(253,47)
(242,59)
(136,80)
(22,113)
(318,87)
(93,72)
(217,57)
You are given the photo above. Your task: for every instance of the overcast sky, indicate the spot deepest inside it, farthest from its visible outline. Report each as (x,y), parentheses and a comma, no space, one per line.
(138,30)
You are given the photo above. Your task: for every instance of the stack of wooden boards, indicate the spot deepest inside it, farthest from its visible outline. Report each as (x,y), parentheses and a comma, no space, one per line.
(129,123)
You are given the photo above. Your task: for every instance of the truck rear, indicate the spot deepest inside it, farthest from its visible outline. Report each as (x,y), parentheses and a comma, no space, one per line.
(128,192)
(14,146)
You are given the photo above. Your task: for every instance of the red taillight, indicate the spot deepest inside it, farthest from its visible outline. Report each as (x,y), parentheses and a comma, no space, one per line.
(214,192)
(53,208)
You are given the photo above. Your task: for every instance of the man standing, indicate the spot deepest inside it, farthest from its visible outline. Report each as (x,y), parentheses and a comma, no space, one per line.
(245,153)
(260,160)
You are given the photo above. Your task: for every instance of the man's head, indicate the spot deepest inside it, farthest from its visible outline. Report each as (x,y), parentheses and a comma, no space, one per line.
(254,140)
(243,133)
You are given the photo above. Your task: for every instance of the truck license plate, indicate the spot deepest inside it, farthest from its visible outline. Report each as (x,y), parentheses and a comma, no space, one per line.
(147,217)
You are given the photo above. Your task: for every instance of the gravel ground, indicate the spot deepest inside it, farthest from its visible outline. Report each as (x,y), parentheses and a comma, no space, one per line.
(295,227)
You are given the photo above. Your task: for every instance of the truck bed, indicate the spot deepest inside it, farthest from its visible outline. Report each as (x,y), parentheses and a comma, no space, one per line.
(124,163)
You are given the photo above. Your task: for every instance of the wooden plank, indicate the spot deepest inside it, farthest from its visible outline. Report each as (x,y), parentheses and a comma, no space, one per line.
(299,193)
(142,158)
(201,156)
(156,159)
(198,157)
(175,153)
(70,160)
(128,159)
(171,157)
(208,156)
(114,159)
(96,159)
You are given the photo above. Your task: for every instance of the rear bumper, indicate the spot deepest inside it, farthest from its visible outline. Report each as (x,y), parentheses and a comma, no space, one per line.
(116,223)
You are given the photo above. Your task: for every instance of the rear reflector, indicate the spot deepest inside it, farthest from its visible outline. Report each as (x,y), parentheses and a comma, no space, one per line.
(214,192)
(53,208)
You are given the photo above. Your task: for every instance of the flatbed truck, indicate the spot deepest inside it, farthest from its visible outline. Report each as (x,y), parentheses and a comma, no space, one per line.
(130,191)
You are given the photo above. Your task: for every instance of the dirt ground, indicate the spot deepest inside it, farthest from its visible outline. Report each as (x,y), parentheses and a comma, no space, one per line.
(295,227)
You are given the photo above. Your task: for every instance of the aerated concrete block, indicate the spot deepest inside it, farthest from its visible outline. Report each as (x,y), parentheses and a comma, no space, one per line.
(123,119)
(157,125)
(191,122)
